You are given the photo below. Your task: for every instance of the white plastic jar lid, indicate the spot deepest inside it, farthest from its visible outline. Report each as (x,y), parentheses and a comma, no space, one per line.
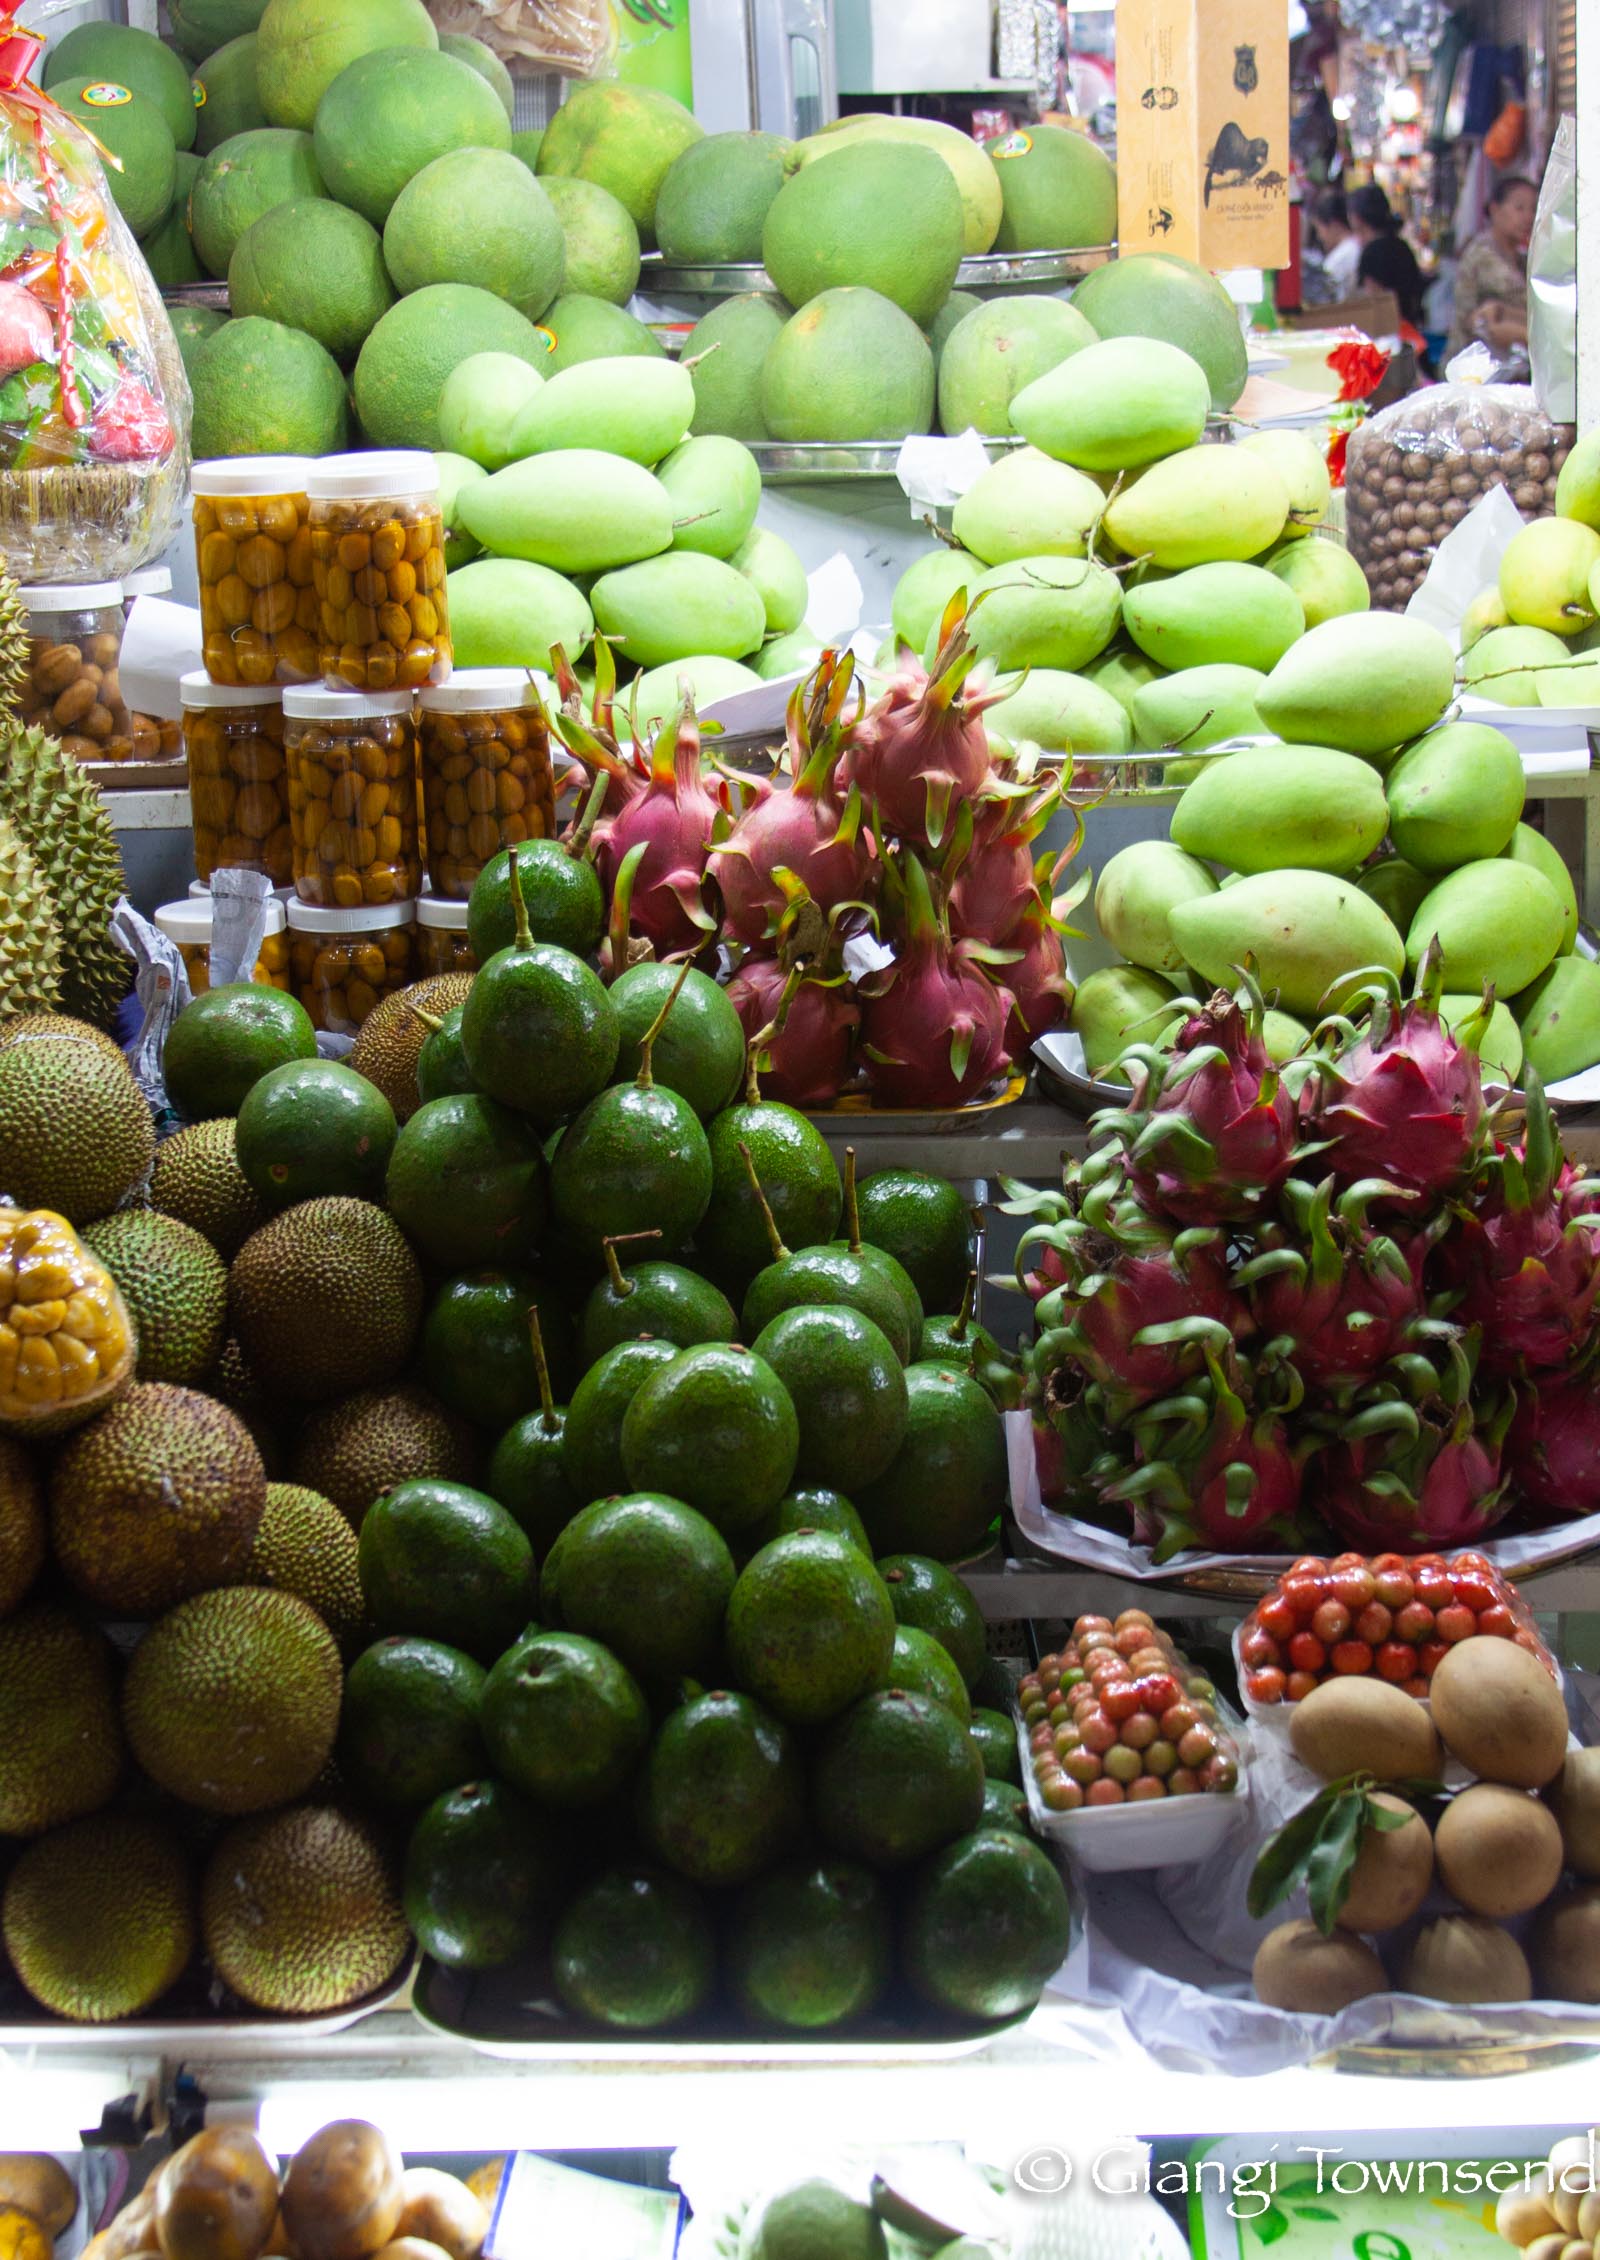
(251,474)
(197,689)
(372,475)
(189,920)
(150,580)
(364,918)
(314,702)
(57,596)
(481,690)
(436,910)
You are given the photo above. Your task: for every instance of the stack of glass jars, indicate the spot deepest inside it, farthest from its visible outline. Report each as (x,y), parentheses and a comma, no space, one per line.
(487,783)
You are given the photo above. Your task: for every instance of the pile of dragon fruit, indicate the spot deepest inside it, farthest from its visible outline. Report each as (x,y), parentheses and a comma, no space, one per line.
(1341,1296)
(889,821)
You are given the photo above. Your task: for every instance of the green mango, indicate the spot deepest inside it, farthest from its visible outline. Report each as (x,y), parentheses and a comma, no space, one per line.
(776,574)
(455,473)
(1532,848)
(1577,681)
(1486,611)
(1544,575)
(1314,938)
(1495,921)
(1397,887)
(1284,1037)
(1043,612)
(1454,795)
(505,612)
(926,587)
(1578,481)
(1197,707)
(1283,805)
(652,696)
(577,511)
(1303,468)
(1123,670)
(677,604)
(1560,1019)
(794,654)
(1140,892)
(1499,1043)
(1062,713)
(996,352)
(1118,1006)
(715,487)
(480,402)
(1211,615)
(622,403)
(1323,575)
(1117,404)
(1199,507)
(1027,506)
(1364,683)
(1504,664)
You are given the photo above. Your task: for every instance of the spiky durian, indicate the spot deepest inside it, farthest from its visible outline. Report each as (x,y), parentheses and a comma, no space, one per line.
(62,821)
(14,643)
(30,948)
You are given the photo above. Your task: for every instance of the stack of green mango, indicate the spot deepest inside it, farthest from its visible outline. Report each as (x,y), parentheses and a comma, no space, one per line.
(1533,637)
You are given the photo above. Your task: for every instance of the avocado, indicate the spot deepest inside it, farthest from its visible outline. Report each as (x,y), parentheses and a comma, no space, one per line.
(560,892)
(660,1299)
(798,1174)
(924,1223)
(409,1726)
(809,1627)
(922,1667)
(996,1738)
(634,1950)
(896,1777)
(879,1259)
(442,1069)
(724,1790)
(848,1389)
(716,1428)
(810,1508)
(987,1926)
(810,1946)
(563,1720)
(650,1578)
(477,1354)
(313,1128)
(527,1473)
(957,1340)
(537,1027)
(466,1182)
(700,1052)
(448,1563)
(947,1483)
(482,1877)
(1005,1806)
(926,1594)
(832,1274)
(591,1444)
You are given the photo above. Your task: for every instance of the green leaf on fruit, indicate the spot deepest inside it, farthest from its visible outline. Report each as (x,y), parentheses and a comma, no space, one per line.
(1319,1846)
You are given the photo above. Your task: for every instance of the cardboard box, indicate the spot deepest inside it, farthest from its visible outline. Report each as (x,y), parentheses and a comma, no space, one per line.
(1203,130)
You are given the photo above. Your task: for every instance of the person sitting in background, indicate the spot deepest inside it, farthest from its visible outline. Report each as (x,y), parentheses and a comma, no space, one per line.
(1386,260)
(1492,272)
(1336,240)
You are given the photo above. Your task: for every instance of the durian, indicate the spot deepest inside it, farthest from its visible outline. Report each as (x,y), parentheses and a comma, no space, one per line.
(15,644)
(62,821)
(30,948)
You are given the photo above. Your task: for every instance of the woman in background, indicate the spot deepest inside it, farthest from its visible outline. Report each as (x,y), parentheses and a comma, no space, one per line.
(1386,260)
(1492,272)
(1337,241)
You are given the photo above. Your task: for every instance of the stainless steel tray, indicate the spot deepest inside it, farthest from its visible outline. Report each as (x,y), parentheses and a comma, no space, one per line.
(804,462)
(186,2018)
(991,270)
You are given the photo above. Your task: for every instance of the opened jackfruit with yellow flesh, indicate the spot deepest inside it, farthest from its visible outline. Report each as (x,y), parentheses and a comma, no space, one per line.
(66,1341)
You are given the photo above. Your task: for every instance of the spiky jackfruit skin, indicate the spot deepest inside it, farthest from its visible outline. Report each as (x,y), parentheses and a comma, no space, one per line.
(58,1024)
(22,1538)
(64,824)
(15,644)
(356,1450)
(300,1911)
(75,1131)
(30,946)
(159,1499)
(325,1299)
(306,1547)
(385,1050)
(99,1918)
(60,1738)
(232,1699)
(233,1383)
(175,1286)
(197,1179)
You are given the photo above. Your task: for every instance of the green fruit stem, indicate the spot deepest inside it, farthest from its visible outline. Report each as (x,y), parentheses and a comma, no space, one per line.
(524,934)
(969,1304)
(547,1399)
(430,1020)
(852,1207)
(579,845)
(646,1075)
(622,1285)
(774,1236)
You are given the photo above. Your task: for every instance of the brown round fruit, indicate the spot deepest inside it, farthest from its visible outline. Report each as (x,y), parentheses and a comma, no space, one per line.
(1522,2216)
(1566,1945)
(1392,1873)
(1297,1968)
(1467,1959)
(35,2183)
(21,2237)
(133,2230)
(342,2197)
(443,2211)
(1499,1850)
(217,2197)
(1575,1797)
(1500,1713)
(1570,2167)
(1365,1726)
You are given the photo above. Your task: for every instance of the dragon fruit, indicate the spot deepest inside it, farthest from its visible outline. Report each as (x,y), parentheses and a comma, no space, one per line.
(1041,990)
(922,749)
(1553,1449)
(806,1062)
(1214,1469)
(934,1031)
(1408,1477)
(672,816)
(993,879)
(1139,1320)
(1339,1298)
(1404,1098)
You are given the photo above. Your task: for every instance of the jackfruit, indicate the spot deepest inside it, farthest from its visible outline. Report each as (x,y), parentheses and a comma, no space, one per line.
(326,1298)
(75,1131)
(63,823)
(66,1340)
(305,1547)
(175,1286)
(22,1545)
(60,1743)
(300,1911)
(386,1049)
(197,1179)
(355,1451)
(232,1699)
(99,1918)
(30,947)
(233,1384)
(58,1024)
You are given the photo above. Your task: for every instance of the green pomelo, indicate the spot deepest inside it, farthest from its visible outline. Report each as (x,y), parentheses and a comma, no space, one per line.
(624,137)
(1504,664)
(775,572)
(1303,468)
(1455,796)
(1397,887)
(1299,805)
(601,240)
(466,1182)
(1117,1006)
(390,113)
(1045,612)
(130,58)
(305,44)
(1499,1043)
(1214,615)
(851,365)
(412,350)
(1058,188)
(168,249)
(844,222)
(232,103)
(673,605)
(976,180)
(950,316)
(716,196)
(1027,506)
(316,267)
(578,511)
(241,180)
(729,347)
(1312,935)
(1138,893)
(456,472)
(1365,684)
(201,27)
(1323,575)
(1544,575)
(1197,707)
(1495,921)
(1123,670)
(505,612)
(1532,848)
(477,216)
(1152,294)
(1003,350)
(926,587)
(578,329)
(1062,713)
(794,654)
(262,389)
(480,402)
(652,696)
(193,327)
(1560,1019)
(1199,507)
(1121,403)
(526,142)
(614,404)
(714,486)
(485,62)
(133,129)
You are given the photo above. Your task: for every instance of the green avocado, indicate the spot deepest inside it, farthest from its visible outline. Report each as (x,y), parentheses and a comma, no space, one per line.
(477,1350)
(716,1428)
(811,1946)
(924,1223)
(724,1790)
(634,1951)
(647,1576)
(563,1720)
(448,1563)
(560,892)
(660,1299)
(987,1926)
(896,1777)
(466,1182)
(591,1446)
(848,1389)
(482,1877)
(409,1727)
(809,1627)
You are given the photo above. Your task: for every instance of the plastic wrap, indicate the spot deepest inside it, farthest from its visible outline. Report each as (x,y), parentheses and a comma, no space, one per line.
(94,403)
(575,37)
(1414,471)
(1553,279)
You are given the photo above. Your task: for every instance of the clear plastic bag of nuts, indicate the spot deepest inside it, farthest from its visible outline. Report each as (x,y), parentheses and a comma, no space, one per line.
(1414,471)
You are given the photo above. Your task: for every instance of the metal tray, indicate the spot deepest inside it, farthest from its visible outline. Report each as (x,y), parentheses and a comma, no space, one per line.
(990,270)
(187,2016)
(808,462)
(856,1111)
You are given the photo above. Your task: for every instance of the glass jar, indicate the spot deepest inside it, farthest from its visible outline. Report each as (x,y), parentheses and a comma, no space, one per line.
(345,962)
(377,553)
(442,945)
(238,786)
(486,776)
(352,767)
(71,688)
(156,737)
(188,923)
(258,608)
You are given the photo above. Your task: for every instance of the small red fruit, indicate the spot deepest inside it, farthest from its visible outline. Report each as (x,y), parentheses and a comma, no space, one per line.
(1265,1686)
(1062,1795)
(1158,1691)
(1394,1588)
(1090,1624)
(1120,1703)
(1278,1615)
(1104,1793)
(1414,1622)
(1455,1623)
(1161,1758)
(1197,1746)
(1147,1786)
(1184,1783)
(1331,1623)
(1476,1590)
(1140,1731)
(1307,1565)
(1430,1656)
(1305,1595)
(1302,1684)
(1351,1657)
(1136,1616)
(1374,1623)
(1497,1622)
(1176,1722)
(1434,1586)
(1098,1733)
(1123,1764)
(1416,1687)
(1306,1652)
(1082,1766)
(1355,1586)
(1395,1661)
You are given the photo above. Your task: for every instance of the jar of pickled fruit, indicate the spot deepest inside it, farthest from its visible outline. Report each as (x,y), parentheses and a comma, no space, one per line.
(258,608)
(486,776)
(442,945)
(156,737)
(238,787)
(188,923)
(377,553)
(352,787)
(345,962)
(71,689)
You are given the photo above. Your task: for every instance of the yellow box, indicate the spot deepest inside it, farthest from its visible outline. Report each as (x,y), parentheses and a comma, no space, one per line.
(1203,130)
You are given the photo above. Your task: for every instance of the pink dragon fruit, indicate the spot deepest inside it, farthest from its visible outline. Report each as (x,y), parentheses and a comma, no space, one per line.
(1404,1099)
(1553,1450)
(922,749)
(934,1032)
(672,818)
(1214,1470)
(806,1063)
(993,880)
(1339,1299)
(1037,978)
(1145,1323)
